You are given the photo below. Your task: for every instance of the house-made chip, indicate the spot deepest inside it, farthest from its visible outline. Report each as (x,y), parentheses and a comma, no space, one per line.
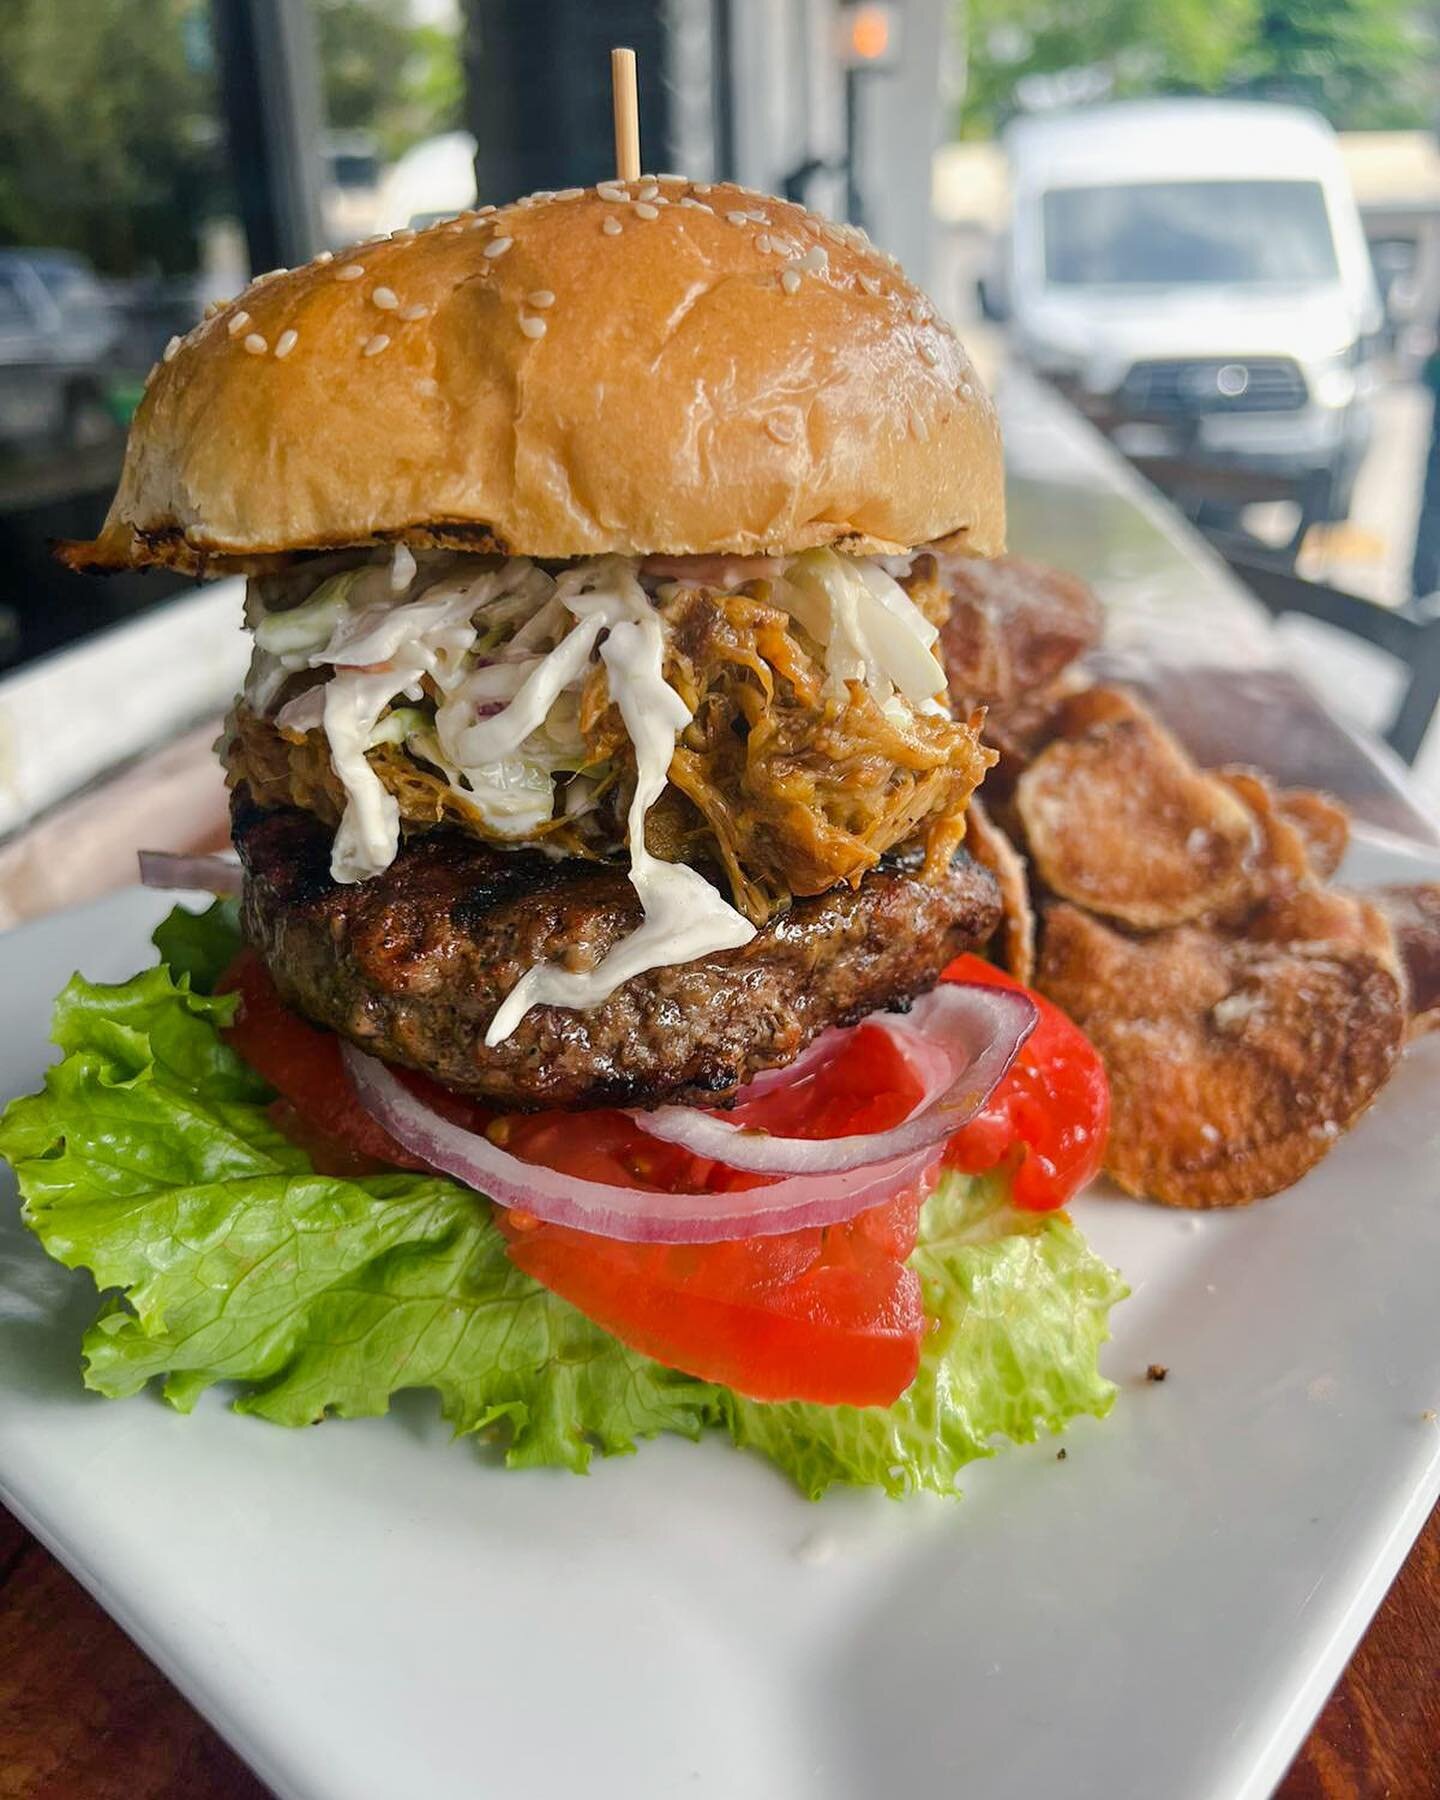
(990,847)
(1118,819)
(1234,1064)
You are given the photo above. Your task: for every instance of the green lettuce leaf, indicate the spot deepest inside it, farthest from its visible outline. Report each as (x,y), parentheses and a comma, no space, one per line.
(150,1159)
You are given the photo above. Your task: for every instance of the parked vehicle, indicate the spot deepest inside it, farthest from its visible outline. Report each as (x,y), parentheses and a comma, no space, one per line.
(1194,275)
(58,335)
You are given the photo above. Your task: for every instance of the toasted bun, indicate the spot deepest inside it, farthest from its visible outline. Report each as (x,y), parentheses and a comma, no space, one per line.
(661,368)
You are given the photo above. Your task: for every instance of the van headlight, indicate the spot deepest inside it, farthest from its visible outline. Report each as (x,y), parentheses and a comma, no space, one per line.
(1333,382)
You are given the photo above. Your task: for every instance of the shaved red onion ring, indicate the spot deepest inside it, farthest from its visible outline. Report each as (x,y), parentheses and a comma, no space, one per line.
(172,869)
(818,1054)
(978,1029)
(635,1215)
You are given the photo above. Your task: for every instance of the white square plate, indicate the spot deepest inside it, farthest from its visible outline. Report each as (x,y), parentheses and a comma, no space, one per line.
(369,1612)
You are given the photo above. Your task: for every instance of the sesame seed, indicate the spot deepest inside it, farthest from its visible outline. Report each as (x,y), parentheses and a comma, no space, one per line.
(325,256)
(871,284)
(531,326)
(919,428)
(411,313)
(171,350)
(648,192)
(781,430)
(833,233)
(269,275)
(454,230)
(569,193)
(373,346)
(612,191)
(930,353)
(497,247)
(790,281)
(815,259)
(428,386)
(285,343)
(385,298)
(611,227)
(256,344)
(151,373)
(664,176)
(644,210)
(738,218)
(350,272)
(758,218)
(483,212)
(762,243)
(541,298)
(215,306)
(403,235)
(702,187)
(237,322)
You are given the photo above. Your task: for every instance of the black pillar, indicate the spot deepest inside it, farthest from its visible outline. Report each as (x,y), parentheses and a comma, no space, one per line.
(269,98)
(538,86)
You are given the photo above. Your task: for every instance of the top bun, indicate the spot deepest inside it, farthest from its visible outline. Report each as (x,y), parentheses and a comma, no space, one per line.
(657,367)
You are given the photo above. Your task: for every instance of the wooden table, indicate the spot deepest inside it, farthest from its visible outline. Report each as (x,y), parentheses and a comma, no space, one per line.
(84,1716)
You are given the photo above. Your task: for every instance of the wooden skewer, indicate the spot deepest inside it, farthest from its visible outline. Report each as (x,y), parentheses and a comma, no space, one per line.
(627,115)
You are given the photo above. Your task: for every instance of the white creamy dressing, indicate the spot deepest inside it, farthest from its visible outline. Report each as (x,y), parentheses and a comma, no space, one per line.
(684,916)
(506,653)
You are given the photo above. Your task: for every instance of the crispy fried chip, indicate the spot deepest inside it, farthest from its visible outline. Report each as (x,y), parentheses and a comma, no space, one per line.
(1413,913)
(1013,626)
(1118,819)
(1323,823)
(1234,1065)
(1282,862)
(990,847)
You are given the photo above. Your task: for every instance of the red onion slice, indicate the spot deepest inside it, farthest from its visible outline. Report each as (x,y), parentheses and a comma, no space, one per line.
(634,1215)
(818,1054)
(980,1029)
(172,869)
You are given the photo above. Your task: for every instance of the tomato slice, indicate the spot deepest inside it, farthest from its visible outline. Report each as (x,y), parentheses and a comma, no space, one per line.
(303,1065)
(830,1315)
(1049,1116)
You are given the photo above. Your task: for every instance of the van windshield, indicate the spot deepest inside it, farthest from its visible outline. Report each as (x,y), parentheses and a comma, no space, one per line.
(1160,233)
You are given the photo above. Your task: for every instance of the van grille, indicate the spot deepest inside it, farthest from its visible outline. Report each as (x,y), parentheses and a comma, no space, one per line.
(1168,390)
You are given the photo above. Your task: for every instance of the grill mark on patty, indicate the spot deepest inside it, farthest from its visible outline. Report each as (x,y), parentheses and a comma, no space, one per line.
(411,964)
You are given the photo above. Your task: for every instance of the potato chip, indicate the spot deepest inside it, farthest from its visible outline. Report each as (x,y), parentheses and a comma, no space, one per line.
(1118,819)
(990,847)
(1282,862)
(1234,1064)
(1323,823)
(1413,913)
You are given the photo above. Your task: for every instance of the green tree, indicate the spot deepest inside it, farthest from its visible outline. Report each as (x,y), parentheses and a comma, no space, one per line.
(1362,63)
(381,73)
(108,129)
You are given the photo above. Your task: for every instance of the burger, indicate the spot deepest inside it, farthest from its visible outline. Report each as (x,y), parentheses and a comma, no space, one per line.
(599,1033)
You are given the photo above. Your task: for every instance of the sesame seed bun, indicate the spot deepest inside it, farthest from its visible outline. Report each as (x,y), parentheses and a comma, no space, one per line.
(653,368)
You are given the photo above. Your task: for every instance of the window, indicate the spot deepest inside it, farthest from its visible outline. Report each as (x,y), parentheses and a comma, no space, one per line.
(1167,232)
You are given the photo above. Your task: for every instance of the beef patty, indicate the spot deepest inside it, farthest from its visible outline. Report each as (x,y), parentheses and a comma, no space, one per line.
(412,964)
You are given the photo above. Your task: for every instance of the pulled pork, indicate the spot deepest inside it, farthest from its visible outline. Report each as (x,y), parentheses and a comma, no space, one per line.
(789,788)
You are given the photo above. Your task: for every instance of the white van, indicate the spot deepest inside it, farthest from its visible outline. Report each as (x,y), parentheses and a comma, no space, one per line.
(1193,273)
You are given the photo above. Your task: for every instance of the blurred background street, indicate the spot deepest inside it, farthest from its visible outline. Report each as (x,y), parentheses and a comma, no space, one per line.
(1214,233)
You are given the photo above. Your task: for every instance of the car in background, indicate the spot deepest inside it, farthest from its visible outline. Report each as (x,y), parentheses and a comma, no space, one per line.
(58,336)
(1194,275)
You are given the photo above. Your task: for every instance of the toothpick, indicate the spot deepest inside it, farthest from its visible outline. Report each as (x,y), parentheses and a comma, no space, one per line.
(627,115)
